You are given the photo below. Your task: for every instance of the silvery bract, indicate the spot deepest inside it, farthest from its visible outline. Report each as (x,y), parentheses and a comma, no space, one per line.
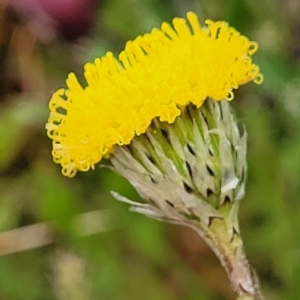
(193,170)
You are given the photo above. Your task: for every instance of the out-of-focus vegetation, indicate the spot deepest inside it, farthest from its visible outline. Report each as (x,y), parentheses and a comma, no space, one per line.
(92,247)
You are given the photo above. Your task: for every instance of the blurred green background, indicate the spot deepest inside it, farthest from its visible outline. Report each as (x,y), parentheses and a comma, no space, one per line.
(92,247)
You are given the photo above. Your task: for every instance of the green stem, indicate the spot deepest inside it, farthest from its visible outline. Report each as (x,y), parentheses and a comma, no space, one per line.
(228,246)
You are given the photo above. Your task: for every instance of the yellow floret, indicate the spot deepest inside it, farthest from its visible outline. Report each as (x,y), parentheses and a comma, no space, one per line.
(156,76)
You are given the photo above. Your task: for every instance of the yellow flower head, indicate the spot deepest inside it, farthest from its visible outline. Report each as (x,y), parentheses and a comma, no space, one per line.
(156,76)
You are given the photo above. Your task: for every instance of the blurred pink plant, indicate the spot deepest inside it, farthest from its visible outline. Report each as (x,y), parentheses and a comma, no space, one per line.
(49,18)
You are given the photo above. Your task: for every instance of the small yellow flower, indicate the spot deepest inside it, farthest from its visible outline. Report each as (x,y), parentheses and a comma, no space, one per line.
(157,76)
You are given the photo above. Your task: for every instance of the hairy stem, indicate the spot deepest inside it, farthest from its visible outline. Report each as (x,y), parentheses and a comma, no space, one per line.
(227,244)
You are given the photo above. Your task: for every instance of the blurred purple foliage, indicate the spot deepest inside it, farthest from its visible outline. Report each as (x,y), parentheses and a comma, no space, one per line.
(48,18)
